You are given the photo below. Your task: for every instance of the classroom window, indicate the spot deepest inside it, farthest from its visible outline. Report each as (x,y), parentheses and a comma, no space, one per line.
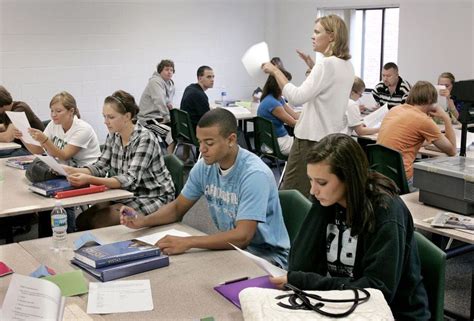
(375,37)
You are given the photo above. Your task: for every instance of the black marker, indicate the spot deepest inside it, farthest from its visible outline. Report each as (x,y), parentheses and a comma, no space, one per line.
(237,280)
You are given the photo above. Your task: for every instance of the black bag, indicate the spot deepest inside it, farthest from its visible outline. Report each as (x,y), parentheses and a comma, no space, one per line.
(38,171)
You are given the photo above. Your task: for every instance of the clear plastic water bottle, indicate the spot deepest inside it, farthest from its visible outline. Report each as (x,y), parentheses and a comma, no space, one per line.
(59,226)
(223,97)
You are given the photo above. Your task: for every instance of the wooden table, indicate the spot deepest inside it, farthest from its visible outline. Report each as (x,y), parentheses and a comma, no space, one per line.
(181,291)
(422,215)
(22,262)
(16,199)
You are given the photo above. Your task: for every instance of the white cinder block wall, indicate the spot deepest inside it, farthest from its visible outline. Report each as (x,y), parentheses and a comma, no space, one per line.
(91,48)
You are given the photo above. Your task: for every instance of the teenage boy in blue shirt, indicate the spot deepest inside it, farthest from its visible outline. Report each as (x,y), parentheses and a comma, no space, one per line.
(241,193)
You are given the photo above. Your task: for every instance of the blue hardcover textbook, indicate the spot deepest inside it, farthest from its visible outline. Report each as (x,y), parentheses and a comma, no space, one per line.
(114,253)
(51,187)
(121,270)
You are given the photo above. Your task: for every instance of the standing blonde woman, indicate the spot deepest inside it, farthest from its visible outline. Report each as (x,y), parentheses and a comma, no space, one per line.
(67,137)
(323,95)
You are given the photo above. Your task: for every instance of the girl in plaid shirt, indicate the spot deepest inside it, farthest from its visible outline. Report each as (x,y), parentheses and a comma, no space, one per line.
(131,160)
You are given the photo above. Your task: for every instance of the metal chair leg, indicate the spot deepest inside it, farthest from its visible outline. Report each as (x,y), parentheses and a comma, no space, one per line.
(281,175)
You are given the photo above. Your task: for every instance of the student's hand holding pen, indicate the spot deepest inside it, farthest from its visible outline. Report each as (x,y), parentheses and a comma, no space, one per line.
(130,218)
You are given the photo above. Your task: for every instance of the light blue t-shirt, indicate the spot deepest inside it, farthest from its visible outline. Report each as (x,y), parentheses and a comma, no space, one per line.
(265,109)
(247,192)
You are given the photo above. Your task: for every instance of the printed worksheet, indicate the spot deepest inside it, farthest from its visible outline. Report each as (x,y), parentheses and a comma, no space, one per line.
(119,297)
(262,263)
(21,123)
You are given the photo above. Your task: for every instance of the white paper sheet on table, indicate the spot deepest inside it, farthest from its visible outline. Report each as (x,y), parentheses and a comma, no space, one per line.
(21,123)
(469,138)
(155,237)
(368,101)
(262,263)
(374,119)
(51,162)
(119,297)
(238,111)
(253,59)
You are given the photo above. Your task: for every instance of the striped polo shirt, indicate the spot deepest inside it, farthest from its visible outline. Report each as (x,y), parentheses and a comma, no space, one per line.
(382,95)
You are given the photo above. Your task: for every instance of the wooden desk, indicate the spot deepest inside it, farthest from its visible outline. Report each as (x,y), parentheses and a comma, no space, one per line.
(22,262)
(16,199)
(422,212)
(181,291)
(8,146)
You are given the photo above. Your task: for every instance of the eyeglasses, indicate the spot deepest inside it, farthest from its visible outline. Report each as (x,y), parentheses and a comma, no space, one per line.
(305,303)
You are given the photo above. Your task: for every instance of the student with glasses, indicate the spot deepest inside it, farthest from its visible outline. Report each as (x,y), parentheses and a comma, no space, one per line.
(359,233)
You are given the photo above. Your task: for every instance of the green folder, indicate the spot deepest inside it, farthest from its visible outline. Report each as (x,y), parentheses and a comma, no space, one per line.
(70,283)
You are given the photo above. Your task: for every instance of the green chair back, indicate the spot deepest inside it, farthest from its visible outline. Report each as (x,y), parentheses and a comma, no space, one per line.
(433,264)
(45,122)
(176,168)
(294,207)
(265,136)
(182,130)
(388,162)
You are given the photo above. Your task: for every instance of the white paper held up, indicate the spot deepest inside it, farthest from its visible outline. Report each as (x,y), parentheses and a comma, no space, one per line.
(374,119)
(51,162)
(253,59)
(262,263)
(442,101)
(21,123)
(119,297)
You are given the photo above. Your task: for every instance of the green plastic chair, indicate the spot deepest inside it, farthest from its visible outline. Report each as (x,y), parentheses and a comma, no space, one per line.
(433,265)
(294,207)
(265,136)
(176,168)
(388,162)
(182,130)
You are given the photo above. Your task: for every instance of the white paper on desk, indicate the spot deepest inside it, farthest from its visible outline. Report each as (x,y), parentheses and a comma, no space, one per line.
(21,123)
(469,138)
(253,59)
(368,101)
(442,101)
(374,119)
(119,297)
(53,163)
(262,263)
(155,237)
(238,111)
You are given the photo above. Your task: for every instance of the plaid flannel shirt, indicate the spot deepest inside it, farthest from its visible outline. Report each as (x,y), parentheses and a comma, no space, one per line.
(139,167)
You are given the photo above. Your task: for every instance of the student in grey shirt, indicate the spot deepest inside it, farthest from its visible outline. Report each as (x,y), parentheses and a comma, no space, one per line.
(157,98)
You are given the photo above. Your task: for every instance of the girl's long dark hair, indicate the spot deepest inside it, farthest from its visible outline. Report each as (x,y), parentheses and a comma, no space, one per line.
(365,189)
